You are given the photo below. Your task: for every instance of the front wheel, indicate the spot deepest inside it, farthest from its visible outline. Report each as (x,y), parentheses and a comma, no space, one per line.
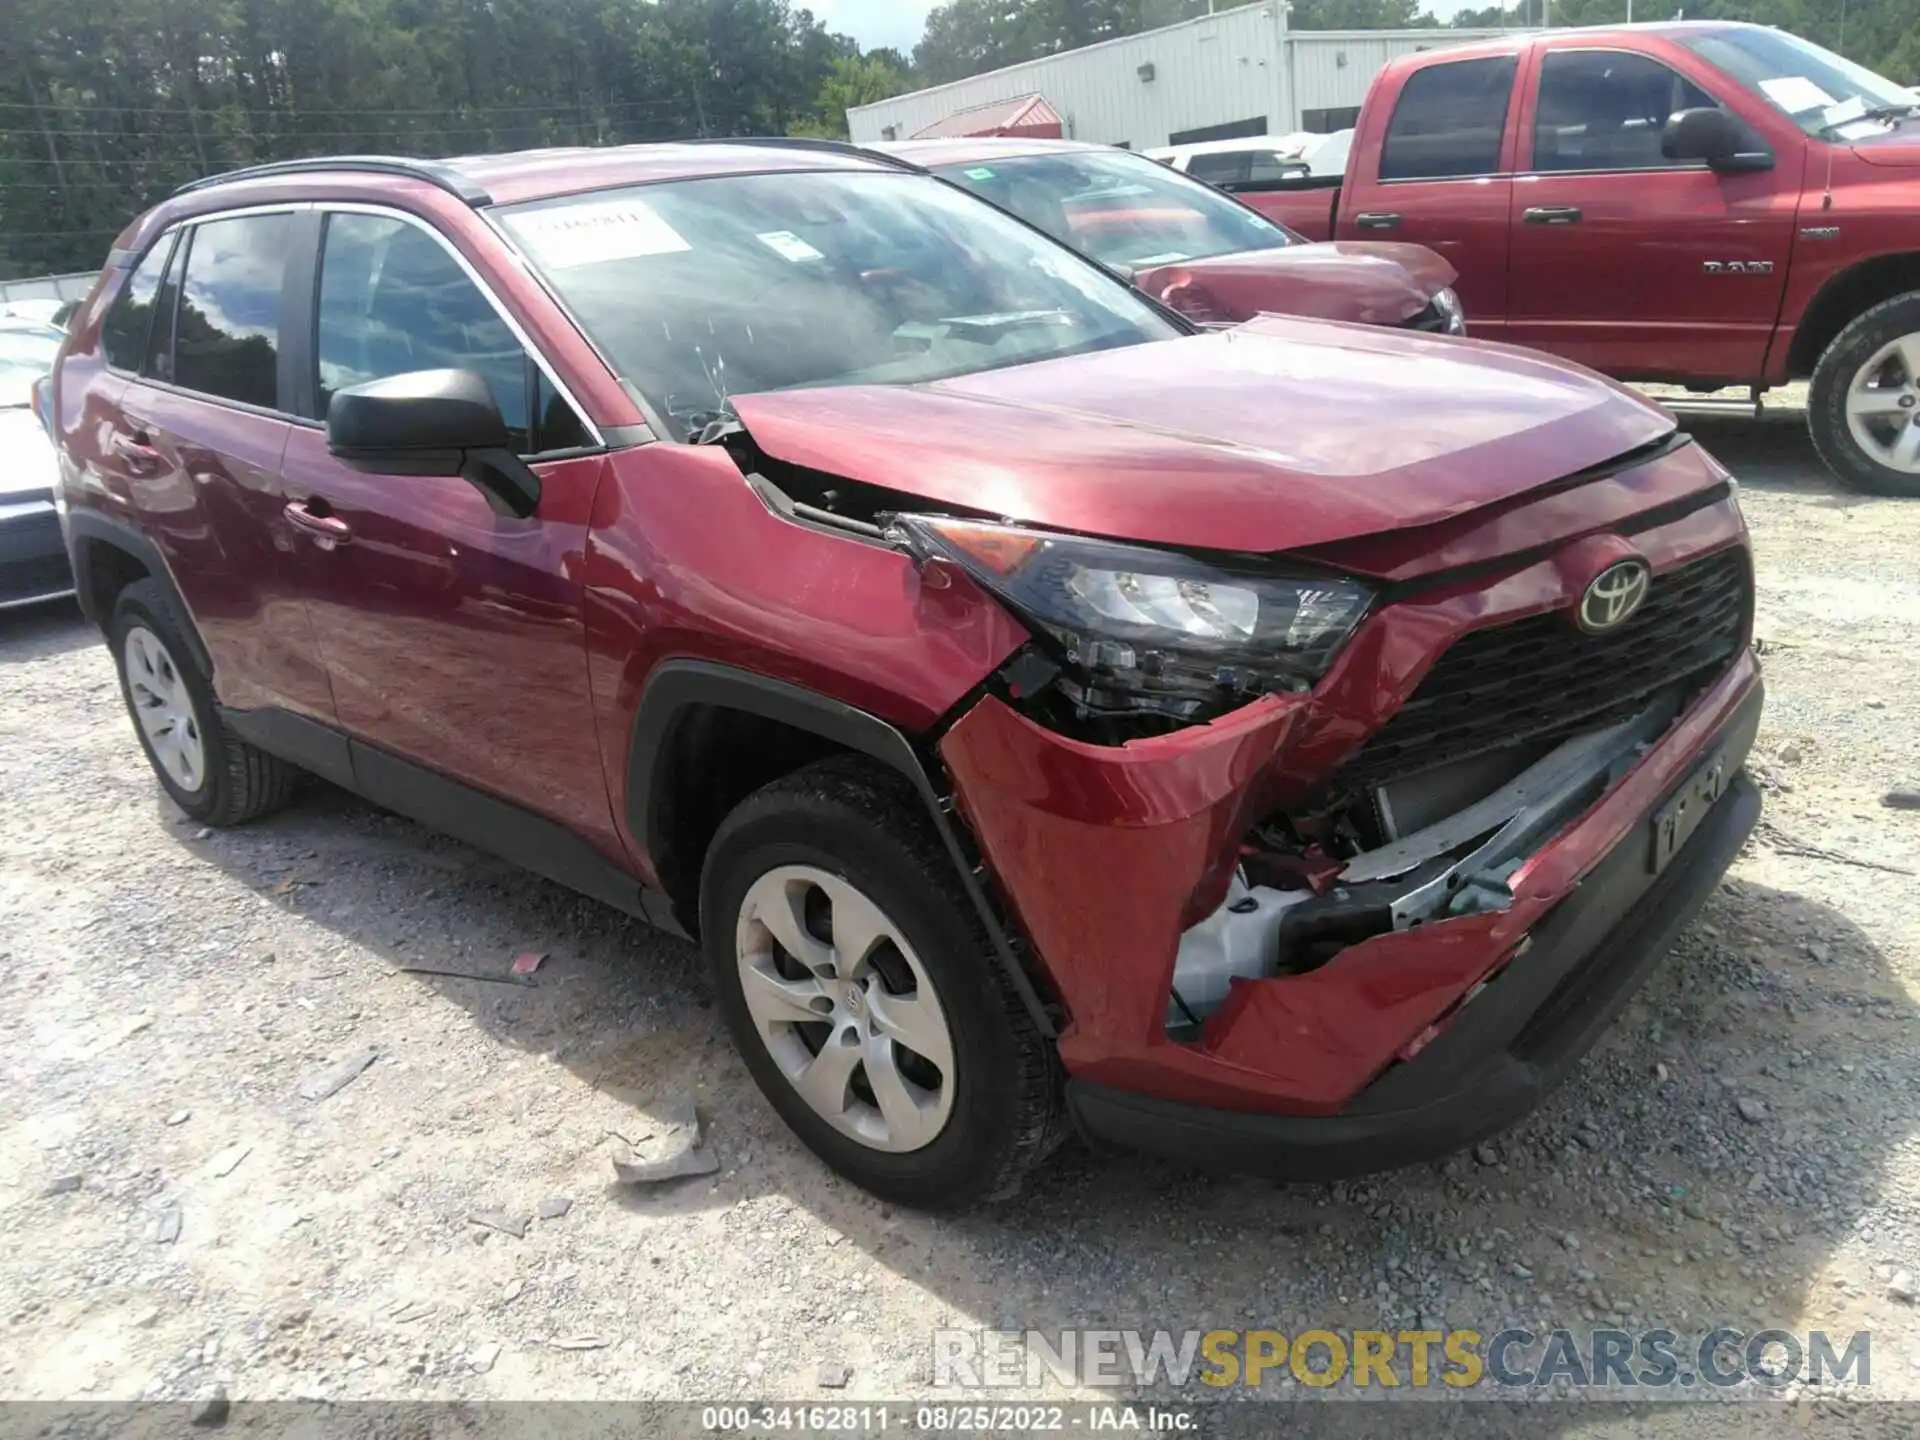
(1864,410)
(864,995)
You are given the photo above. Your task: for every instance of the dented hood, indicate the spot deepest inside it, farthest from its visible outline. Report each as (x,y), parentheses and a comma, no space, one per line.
(1364,282)
(1272,436)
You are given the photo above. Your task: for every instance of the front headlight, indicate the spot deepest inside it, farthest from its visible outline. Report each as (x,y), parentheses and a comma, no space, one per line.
(1448,304)
(1137,629)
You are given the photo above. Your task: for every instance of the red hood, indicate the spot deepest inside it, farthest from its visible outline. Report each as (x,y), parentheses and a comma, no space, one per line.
(1275,435)
(1360,281)
(1899,149)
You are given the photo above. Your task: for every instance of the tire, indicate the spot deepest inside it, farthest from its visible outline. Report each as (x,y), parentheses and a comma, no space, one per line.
(845,834)
(216,777)
(1863,361)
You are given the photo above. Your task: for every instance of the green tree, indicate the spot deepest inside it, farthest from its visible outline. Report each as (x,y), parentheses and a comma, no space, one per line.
(1358,15)
(852,82)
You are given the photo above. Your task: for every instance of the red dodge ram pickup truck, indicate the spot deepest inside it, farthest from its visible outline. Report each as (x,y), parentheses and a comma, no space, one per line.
(1702,204)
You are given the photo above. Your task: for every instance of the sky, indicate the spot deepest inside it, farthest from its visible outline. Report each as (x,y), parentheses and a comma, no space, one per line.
(876,23)
(899,23)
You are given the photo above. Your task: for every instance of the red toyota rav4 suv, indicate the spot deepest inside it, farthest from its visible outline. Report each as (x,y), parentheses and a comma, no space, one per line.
(1282,748)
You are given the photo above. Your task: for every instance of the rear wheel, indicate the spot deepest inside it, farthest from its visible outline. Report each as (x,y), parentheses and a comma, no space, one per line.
(212,774)
(1865,406)
(864,995)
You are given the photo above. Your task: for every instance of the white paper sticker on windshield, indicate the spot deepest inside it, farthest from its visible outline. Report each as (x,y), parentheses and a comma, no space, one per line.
(789,246)
(1846,112)
(1858,130)
(1796,94)
(571,235)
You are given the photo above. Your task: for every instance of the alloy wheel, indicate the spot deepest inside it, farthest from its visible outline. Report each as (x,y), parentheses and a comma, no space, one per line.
(845,1008)
(1883,405)
(164,709)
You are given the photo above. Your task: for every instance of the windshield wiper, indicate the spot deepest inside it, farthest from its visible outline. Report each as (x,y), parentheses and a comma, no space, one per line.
(1892,114)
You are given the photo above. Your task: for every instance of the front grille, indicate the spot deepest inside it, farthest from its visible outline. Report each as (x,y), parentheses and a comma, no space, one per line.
(1541,679)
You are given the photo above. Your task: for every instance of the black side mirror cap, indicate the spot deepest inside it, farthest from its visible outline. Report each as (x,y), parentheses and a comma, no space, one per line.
(1713,135)
(432,422)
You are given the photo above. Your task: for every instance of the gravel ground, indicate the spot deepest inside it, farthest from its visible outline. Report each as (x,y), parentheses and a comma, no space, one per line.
(175,1215)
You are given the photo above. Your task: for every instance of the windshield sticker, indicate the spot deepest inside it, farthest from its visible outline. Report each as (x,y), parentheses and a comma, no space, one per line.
(979,172)
(1857,130)
(572,235)
(1846,112)
(1796,94)
(789,246)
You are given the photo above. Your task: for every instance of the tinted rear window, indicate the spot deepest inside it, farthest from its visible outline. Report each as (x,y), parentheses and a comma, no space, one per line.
(227,335)
(1449,121)
(123,334)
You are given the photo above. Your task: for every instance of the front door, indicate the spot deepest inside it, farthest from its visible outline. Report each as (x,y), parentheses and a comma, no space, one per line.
(454,637)
(1634,264)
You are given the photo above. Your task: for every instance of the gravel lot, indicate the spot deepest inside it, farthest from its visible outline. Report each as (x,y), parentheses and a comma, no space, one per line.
(1741,1148)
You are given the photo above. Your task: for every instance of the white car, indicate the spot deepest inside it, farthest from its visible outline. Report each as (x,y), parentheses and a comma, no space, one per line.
(33,554)
(1227,163)
(34,312)
(1263,160)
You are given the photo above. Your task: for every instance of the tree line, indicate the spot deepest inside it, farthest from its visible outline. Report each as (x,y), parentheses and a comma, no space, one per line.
(965,37)
(104,109)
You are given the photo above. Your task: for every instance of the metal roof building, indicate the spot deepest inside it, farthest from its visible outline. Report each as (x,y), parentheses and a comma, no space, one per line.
(1029,117)
(1240,72)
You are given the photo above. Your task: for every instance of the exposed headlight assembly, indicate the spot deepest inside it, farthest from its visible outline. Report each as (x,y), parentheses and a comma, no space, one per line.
(1448,304)
(1142,630)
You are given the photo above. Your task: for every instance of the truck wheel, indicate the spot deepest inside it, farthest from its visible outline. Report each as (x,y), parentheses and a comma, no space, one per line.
(1865,405)
(212,774)
(863,993)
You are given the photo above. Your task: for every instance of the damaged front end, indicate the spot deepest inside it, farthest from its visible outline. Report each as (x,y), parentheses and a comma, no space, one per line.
(1261,886)
(1279,831)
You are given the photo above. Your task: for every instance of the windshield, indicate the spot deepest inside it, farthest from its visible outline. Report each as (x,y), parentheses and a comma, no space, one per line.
(25,355)
(1121,209)
(1826,94)
(699,290)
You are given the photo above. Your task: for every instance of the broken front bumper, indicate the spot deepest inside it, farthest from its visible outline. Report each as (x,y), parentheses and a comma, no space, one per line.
(1107,855)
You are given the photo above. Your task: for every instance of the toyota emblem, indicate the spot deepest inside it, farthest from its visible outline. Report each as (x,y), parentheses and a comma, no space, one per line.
(1614,596)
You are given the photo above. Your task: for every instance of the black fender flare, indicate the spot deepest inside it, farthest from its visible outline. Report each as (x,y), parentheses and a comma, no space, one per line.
(676,686)
(86,528)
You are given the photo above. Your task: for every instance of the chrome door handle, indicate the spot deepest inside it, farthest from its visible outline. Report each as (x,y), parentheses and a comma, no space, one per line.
(328,530)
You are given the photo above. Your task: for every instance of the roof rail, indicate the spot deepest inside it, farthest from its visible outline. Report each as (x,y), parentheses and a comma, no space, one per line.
(443,176)
(803,142)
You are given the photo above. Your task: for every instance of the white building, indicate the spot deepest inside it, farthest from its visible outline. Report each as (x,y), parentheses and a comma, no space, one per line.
(1241,72)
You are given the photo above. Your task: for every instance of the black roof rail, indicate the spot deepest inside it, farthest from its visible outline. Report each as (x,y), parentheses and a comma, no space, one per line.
(803,142)
(444,176)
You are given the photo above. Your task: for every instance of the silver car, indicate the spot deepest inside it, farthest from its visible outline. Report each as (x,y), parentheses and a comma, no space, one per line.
(33,556)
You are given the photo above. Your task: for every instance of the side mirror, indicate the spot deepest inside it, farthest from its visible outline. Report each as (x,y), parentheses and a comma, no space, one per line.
(432,422)
(1718,138)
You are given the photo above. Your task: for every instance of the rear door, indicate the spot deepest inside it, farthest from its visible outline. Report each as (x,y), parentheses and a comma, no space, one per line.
(454,637)
(1629,262)
(197,440)
(1437,171)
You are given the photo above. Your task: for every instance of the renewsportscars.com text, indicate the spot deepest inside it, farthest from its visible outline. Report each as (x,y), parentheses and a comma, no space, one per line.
(1394,1359)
